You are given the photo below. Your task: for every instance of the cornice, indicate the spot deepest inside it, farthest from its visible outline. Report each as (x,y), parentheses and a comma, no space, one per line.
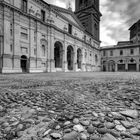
(46,24)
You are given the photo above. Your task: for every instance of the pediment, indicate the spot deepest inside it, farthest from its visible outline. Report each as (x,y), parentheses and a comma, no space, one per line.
(70,17)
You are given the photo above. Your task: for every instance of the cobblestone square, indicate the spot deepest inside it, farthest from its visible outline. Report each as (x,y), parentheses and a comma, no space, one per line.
(70,106)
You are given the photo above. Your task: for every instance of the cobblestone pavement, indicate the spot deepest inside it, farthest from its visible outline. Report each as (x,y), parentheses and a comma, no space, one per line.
(70,106)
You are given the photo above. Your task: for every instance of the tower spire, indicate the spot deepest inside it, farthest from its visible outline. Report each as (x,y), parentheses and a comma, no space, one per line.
(69,5)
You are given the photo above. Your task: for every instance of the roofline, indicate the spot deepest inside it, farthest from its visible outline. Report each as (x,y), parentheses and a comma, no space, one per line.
(134,24)
(120,47)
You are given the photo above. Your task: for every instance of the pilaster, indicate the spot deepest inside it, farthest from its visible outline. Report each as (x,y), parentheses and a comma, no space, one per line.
(75,58)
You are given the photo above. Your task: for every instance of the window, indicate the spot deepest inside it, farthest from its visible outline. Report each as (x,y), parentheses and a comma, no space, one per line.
(43,50)
(90,40)
(24,33)
(121,52)
(70,29)
(104,53)
(131,51)
(43,15)
(11,29)
(85,38)
(35,36)
(80,2)
(11,47)
(111,53)
(24,6)
(96,58)
(34,51)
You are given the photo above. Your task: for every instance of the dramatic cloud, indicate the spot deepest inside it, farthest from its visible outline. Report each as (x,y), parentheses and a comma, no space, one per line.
(118,16)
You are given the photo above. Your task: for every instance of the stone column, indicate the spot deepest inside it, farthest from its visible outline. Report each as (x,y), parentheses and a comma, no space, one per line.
(116,67)
(31,46)
(65,63)
(126,66)
(138,67)
(52,63)
(83,60)
(75,58)
(1,47)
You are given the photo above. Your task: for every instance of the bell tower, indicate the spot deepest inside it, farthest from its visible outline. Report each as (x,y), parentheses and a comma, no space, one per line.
(89,14)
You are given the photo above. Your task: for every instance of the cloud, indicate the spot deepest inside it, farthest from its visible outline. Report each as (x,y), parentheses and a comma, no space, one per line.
(118,16)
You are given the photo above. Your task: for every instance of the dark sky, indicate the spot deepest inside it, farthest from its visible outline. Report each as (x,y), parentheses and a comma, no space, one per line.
(118,16)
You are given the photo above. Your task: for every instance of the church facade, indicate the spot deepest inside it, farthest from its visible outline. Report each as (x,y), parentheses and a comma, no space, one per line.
(38,37)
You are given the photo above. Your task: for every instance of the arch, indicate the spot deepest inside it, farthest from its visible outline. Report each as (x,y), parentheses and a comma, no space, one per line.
(132,60)
(58,54)
(111,66)
(121,65)
(79,58)
(70,57)
(24,63)
(132,65)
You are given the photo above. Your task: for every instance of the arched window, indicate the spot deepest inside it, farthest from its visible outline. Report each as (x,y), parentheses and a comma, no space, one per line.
(96,58)
(43,50)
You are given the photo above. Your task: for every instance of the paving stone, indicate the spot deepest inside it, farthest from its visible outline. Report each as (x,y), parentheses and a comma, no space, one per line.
(78,128)
(120,128)
(71,136)
(127,124)
(130,113)
(108,137)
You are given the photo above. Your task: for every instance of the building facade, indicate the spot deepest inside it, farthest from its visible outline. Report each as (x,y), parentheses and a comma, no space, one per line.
(38,37)
(125,56)
(122,57)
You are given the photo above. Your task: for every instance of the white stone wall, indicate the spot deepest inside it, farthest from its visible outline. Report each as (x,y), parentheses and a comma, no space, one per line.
(29,34)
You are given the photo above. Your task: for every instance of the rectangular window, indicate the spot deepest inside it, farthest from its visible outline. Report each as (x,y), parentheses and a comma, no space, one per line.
(24,33)
(70,29)
(43,15)
(85,38)
(104,53)
(24,6)
(35,36)
(131,51)
(121,52)
(111,53)
(11,29)
(34,51)
(11,47)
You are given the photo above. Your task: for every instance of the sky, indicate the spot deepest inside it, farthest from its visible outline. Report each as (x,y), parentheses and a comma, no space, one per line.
(117,17)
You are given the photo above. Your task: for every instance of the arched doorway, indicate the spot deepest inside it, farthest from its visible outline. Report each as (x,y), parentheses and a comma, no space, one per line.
(132,66)
(111,66)
(104,65)
(70,57)
(58,54)
(79,58)
(23,63)
(121,65)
